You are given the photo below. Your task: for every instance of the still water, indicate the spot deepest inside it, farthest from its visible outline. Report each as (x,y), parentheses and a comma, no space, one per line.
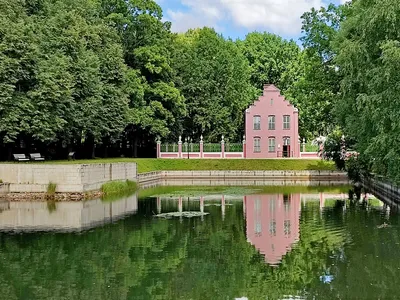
(263,243)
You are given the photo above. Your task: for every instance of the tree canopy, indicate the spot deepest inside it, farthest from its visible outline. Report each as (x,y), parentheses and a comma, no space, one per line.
(109,77)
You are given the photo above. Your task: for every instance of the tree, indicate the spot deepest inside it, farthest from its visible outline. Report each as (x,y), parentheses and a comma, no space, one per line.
(317,90)
(368,58)
(17,63)
(66,74)
(271,59)
(156,105)
(215,82)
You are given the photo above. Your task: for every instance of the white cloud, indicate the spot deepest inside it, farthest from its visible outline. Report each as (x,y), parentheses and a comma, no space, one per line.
(182,21)
(278,16)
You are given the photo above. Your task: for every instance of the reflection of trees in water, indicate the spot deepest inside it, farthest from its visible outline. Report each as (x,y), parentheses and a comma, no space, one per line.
(368,267)
(142,258)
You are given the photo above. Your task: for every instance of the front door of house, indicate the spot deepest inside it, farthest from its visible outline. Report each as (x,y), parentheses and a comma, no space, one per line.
(286,151)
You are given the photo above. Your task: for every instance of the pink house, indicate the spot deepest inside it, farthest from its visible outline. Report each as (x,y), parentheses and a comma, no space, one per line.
(272,126)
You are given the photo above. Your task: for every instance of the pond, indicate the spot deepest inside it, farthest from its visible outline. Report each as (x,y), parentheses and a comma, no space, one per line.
(237,242)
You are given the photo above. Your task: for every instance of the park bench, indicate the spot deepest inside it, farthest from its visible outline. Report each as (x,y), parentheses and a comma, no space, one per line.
(20,157)
(36,157)
(71,155)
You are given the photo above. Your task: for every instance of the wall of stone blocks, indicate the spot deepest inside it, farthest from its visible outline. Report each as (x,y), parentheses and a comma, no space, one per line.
(25,177)
(253,174)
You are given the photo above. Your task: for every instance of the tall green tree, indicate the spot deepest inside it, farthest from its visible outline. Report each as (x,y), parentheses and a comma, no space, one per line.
(316,91)
(272,59)
(18,55)
(368,57)
(68,74)
(156,105)
(215,80)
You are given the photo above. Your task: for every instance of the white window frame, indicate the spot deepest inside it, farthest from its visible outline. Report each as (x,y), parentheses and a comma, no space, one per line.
(286,122)
(256,125)
(257,149)
(285,141)
(271,122)
(271,144)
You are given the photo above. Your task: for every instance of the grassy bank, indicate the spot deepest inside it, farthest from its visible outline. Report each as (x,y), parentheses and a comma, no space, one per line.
(152,164)
(118,187)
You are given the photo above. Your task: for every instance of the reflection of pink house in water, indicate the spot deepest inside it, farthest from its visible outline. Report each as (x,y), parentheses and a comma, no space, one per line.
(273,224)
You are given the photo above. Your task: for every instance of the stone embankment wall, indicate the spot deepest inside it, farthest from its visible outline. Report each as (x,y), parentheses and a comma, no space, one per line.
(274,175)
(4,188)
(70,178)
(383,189)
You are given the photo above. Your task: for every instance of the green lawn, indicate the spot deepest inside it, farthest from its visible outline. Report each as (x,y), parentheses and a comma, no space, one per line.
(152,164)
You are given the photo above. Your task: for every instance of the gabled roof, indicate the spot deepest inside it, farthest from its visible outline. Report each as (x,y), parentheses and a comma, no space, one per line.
(272,88)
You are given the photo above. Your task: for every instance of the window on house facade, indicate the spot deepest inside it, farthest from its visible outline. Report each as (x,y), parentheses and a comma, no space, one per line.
(286,141)
(271,122)
(256,122)
(257,144)
(286,122)
(271,144)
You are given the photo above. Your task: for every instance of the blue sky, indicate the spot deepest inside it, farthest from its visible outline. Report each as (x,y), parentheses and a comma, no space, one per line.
(236,18)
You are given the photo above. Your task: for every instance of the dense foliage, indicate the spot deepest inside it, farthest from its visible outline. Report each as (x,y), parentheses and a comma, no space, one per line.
(108,77)
(368,56)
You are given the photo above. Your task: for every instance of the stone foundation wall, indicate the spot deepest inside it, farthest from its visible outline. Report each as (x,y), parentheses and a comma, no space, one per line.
(70,178)
(147,178)
(254,174)
(4,188)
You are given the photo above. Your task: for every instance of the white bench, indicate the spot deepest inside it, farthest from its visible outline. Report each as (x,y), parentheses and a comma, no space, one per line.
(36,157)
(20,157)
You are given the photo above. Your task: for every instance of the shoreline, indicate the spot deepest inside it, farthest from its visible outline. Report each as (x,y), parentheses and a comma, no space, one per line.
(145,180)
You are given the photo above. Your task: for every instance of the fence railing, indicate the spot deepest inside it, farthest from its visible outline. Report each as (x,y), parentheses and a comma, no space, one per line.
(169,148)
(234,147)
(190,147)
(208,147)
(285,153)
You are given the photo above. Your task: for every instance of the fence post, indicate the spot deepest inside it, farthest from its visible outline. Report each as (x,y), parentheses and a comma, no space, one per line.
(180,147)
(244,146)
(223,147)
(158,148)
(201,146)
(304,145)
